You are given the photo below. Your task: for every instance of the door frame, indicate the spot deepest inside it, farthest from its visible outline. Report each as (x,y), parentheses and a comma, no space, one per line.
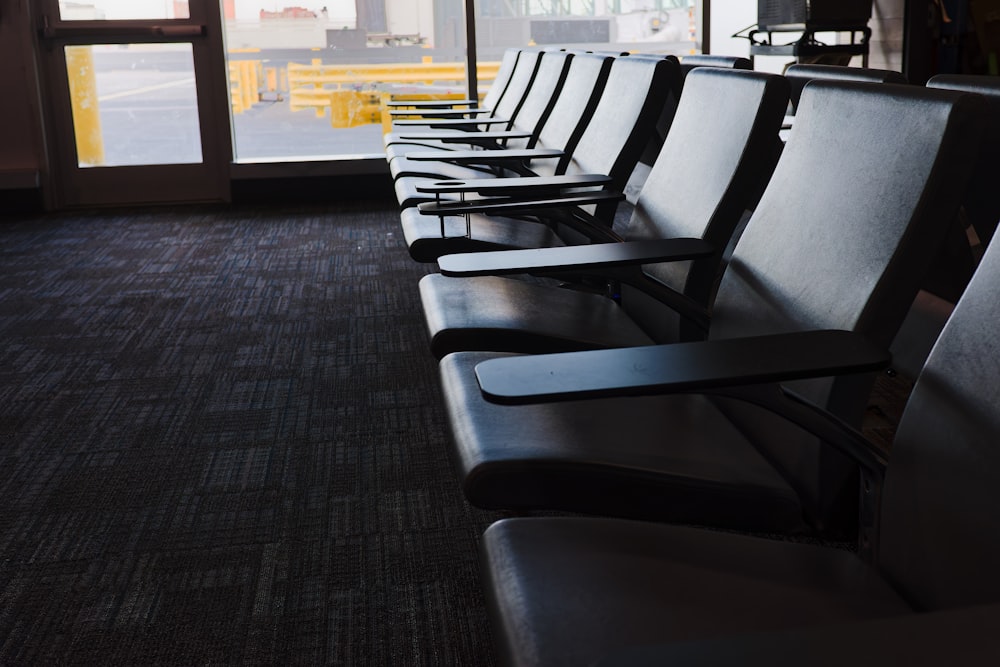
(68,185)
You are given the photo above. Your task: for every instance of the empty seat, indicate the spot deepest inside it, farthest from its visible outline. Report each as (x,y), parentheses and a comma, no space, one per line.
(687,64)
(489,101)
(982,205)
(715,158)
(856,208)
(799,75)
(572,591)
(522,131)
(505,106)
(981,210)
(564,124)
(694,60)
(610,145)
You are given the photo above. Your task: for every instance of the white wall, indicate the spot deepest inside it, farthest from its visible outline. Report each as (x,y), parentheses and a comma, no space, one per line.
(736,16)
(728,18)
(409,17)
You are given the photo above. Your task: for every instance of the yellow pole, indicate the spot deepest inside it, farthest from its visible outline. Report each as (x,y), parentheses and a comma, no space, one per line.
(247,87)
(318,85)
(86,109)
(235,87)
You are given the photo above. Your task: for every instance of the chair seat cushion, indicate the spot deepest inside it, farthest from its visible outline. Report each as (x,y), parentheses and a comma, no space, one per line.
(567,591)
(426,243)
(400,147)
(406,186)
(673,458)
(404,167)
(505,314)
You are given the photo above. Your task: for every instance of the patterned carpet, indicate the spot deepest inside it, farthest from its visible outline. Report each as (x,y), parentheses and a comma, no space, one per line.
(221,443)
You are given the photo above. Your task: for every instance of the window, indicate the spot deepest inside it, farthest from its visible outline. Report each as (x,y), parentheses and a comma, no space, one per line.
(656,26)
(308,81)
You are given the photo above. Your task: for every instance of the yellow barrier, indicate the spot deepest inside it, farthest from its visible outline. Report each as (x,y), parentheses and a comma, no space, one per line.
(244,77)
(319,87)
(249,80)
(86,111)
(317,74)
(308,83)
(350,108)
(411,97)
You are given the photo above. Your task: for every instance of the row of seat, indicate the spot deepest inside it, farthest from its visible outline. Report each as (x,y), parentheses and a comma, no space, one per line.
(739,351)
(598,124)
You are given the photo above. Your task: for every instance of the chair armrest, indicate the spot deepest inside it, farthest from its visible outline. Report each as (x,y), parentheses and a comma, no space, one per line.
(515,185)
(485,157)
(465,137)
(446,123)
(963,636)
(543,261)
(438,112)
(510,206)
(678,367)
(430,104)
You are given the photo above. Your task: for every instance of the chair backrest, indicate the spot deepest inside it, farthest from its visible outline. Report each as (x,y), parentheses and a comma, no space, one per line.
(800,74)
(688,63)
(619,127)
(939,541)
(864,193)
(502,78)
(521,81)
(696,60)
(578,96)
(652,148)
(541,96)
(716,157)
(982,205)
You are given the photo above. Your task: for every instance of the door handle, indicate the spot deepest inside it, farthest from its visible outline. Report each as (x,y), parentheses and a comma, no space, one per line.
(179,30)
(90,31)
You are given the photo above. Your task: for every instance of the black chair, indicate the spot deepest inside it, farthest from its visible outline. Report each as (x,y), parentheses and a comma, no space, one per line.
(982,205)
(522,131)
(605,155)
(687,63)
(694,60)
(799,75)
(563,125)
(851,218)
(957,259)
(496,90)
(572,591)
(716,156)
(506,104)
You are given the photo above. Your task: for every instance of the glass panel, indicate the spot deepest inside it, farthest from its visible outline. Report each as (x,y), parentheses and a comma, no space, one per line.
(648,26)
(134,104)
(115,10)
(309,81)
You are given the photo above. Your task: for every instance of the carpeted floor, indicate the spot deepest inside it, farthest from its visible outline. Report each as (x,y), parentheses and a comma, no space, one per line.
(221,443)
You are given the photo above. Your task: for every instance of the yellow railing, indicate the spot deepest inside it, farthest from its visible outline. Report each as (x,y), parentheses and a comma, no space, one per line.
(244,86)
(310,85)
(332,87)
(412,97)
(250,79)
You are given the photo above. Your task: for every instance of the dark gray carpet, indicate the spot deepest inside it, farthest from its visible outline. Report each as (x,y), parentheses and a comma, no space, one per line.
(221,443)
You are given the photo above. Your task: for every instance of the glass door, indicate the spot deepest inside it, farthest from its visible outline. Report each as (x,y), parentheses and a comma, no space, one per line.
(136,101)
